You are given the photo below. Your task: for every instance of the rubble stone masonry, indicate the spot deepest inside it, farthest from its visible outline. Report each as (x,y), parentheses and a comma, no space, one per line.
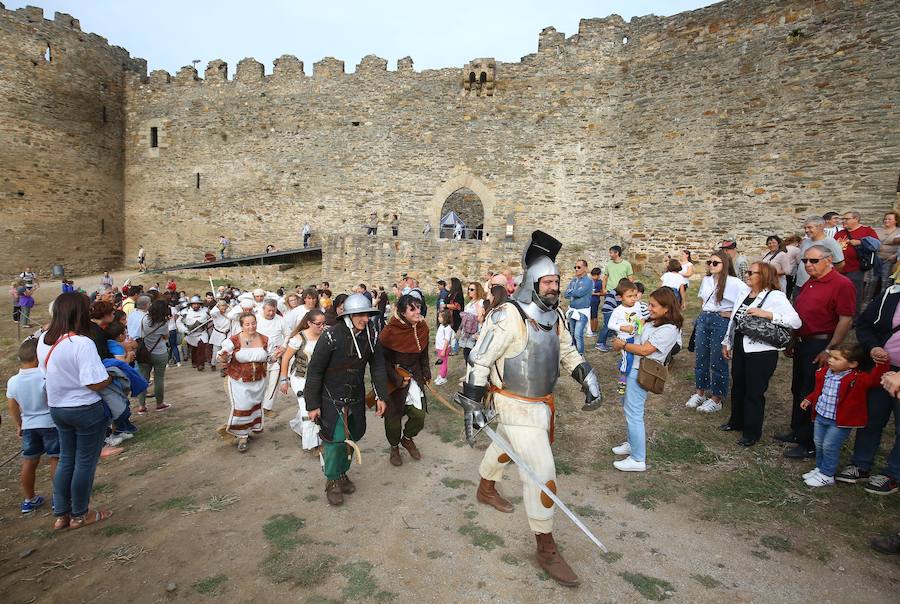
(660,133)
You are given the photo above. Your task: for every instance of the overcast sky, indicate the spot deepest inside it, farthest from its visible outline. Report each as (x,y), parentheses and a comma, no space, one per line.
(170,34)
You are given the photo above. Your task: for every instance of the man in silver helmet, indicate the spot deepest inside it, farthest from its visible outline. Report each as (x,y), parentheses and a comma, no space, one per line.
(516,363)
(335,390)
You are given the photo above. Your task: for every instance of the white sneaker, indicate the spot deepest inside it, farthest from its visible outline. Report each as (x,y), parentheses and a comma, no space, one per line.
(819,480)
(623,449)
(125,435)
(710,406)
(178,364)
(811,473)
(629,464)
(113,440)
(694,401)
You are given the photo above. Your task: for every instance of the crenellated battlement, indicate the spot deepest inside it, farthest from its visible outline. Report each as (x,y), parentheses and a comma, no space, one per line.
(64,26)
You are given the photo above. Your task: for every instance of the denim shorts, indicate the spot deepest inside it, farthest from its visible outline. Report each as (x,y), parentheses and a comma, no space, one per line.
(40,441)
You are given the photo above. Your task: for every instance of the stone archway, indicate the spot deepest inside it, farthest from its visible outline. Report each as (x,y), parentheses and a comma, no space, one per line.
(477,188)
(467,205)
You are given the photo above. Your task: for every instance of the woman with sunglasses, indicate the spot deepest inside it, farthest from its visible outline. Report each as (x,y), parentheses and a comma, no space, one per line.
(472,318)
(405,343)
(753,362)
(300,346)
(720,292)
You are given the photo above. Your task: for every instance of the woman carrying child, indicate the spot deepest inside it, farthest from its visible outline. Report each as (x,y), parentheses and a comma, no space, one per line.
(656,341)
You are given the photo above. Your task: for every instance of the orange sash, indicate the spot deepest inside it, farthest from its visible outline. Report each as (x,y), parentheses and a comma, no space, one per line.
(547,400)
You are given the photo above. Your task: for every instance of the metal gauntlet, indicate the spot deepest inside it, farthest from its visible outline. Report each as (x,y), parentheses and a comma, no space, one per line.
(587,377)
(470,399)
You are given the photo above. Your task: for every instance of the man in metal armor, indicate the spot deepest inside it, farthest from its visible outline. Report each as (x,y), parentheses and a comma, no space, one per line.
(516,362)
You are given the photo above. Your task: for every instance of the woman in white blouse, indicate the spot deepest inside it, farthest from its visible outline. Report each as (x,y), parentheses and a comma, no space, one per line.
(720,292)
(74,375)
(754,362)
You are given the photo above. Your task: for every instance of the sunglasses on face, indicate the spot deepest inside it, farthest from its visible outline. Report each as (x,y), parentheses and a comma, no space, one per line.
(578,268)
(713,263)
(811,260)
(471,289)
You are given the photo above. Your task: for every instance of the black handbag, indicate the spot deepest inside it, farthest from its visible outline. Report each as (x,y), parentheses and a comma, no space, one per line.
(763,330)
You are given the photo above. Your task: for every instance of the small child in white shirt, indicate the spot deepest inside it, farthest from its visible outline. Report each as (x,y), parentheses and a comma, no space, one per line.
(628,320)
(442,342)
(27,399)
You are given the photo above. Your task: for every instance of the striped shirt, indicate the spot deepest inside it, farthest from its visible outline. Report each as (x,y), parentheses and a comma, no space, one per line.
(827,404)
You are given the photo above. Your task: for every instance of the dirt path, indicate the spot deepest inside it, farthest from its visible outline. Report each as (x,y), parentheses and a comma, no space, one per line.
(190,510)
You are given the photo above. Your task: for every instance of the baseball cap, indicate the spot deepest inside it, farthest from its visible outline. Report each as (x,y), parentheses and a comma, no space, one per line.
(729,243)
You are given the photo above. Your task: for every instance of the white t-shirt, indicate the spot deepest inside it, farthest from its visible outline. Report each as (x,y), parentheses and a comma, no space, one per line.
(443,337)
(27,387)
(293,317)
(735,292)
(74,365)
(673,280)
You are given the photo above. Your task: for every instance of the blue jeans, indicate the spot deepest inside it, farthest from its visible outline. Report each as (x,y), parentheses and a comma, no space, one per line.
(710,367)
(604,333)
(576,328)
(173,346)
(829,440)
(81,433)
(633,403)
(868,439)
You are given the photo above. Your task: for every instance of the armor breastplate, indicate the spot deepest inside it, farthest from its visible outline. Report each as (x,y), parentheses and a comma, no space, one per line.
(534,371)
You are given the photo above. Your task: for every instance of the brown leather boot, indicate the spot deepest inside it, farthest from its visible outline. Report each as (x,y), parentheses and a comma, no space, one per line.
(347,486)
(487,493)
(333,492)
(410,446)
(549,558)
(396,460)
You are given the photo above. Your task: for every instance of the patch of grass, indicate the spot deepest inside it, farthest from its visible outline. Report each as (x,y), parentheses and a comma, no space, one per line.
(455,483)
(111,530)
(611,557)
(301,569)
(449,432)
(435,554)
(44,533)
(649,496)
(103,488)
(511,560)
(470,514)
(360,584)
(210,585)
(162,437)
(563,466)
(649,587)
(144,469)
(706,581)
(481,537)
(588,511)
(819,551)
(641,534)
(674,449)
(311,498)
(386,596)
(543,576)
(515,499)
(175,503)
(281,531)
(754,492)
(217,503)
(317,599)
(778,544)
(762,555)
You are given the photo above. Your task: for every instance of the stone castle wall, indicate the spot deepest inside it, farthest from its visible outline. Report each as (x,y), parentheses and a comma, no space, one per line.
(61,145)
(659,133)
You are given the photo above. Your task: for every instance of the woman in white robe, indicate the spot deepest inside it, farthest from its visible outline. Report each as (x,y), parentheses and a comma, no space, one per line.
(294,361)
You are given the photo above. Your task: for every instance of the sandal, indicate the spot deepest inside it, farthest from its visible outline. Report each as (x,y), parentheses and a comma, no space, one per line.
(162,407)
(142,411)
(90,518)
(61,523)
(242,444)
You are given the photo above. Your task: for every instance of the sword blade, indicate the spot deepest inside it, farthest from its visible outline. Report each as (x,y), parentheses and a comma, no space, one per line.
(507,448)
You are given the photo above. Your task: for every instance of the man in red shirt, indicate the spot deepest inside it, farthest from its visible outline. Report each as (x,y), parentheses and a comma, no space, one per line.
(826,304)
(850,238)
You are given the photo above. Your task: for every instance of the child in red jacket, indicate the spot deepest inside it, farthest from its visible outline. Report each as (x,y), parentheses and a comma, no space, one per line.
(840,395)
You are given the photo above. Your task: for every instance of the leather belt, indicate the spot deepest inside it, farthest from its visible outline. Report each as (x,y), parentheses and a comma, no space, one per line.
(546,400)
(817,336)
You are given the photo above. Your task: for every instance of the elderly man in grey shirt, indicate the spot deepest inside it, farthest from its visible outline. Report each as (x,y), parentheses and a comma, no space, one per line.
(136,318)
(814,227)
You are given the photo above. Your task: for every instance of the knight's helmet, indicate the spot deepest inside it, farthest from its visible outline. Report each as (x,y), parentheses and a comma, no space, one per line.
(538,260)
